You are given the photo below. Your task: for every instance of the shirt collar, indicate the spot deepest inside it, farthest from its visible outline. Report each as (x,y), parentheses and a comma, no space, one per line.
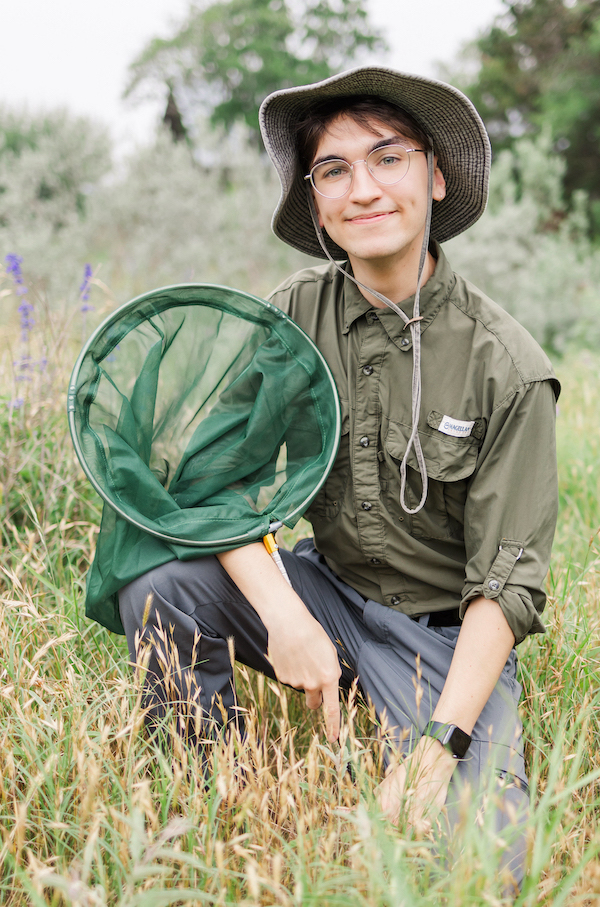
(433,296)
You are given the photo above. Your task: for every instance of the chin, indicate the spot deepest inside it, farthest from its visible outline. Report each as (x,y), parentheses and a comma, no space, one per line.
(392,245)
(381,252)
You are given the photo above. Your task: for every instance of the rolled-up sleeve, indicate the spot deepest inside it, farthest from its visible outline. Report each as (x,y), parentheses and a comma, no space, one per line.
(511,508)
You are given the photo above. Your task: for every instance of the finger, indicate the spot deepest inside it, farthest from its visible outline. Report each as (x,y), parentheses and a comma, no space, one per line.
(390,793)
(331,711)
(423,828)
(314,698)
(419,820)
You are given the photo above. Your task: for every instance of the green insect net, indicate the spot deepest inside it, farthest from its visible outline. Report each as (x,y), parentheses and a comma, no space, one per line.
(205,418)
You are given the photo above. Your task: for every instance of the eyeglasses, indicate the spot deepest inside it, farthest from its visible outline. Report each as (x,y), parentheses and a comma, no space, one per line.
(388,165)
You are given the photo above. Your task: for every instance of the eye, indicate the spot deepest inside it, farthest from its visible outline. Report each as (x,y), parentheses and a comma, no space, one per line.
(332,170)
(387,158)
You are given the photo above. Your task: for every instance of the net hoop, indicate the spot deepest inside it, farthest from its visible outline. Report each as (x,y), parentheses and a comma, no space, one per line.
(206,293)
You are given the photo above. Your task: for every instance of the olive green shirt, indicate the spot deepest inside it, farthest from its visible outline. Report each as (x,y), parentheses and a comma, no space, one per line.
(487,432)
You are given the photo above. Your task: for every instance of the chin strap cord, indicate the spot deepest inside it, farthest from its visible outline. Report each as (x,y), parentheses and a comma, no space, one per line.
(413,323)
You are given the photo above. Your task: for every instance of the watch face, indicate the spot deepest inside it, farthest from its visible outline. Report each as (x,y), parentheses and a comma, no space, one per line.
(458,741)
(450,736)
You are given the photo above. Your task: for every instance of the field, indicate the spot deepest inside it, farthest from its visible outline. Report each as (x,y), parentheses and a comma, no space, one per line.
(92,814)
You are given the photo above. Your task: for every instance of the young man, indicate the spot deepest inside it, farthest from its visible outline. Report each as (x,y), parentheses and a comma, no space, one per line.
(433,530)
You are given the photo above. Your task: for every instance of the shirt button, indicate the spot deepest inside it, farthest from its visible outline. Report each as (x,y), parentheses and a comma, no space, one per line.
(366,505)
(368,370)
(375,561)
(394,600)
(364,442)
(494,585)
(405,342)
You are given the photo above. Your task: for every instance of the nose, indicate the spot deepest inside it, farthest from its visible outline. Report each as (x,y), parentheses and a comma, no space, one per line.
(364,186)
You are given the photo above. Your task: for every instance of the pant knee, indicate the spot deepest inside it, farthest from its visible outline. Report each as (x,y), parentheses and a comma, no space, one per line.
(177,585)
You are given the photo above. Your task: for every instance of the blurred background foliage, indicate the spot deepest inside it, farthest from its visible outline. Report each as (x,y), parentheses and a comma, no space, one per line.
(195,205)
(229,55)
(536,69)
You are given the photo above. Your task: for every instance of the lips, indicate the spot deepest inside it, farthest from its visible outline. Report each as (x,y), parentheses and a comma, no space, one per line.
(369,218)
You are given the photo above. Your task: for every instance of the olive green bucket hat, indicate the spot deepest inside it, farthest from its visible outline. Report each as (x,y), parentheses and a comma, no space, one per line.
(457,132)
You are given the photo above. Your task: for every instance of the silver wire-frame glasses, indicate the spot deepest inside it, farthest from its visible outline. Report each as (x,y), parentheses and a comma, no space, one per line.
(388,165)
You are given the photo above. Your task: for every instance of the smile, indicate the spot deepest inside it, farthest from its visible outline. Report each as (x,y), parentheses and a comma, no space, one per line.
(370,218)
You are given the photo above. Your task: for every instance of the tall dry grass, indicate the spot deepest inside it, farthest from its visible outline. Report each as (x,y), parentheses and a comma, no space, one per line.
(92,813)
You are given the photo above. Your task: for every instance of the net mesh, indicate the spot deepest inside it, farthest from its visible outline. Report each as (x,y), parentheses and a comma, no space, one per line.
(202,415)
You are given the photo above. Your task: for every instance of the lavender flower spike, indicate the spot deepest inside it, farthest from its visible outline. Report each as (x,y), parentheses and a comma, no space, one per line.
(84,289)
(13,267)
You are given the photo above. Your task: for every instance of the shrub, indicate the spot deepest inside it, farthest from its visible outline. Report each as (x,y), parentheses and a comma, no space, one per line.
(530,253)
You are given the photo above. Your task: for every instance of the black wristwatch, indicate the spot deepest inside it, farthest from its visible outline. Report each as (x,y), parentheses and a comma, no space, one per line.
(450,736)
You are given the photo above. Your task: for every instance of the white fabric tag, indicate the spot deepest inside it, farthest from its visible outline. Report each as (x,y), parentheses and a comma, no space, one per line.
(455,427)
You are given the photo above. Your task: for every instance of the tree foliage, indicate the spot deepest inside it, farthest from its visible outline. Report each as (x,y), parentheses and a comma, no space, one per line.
(539,67)
(51,164)
(230,54)
(531,252)
(47,163)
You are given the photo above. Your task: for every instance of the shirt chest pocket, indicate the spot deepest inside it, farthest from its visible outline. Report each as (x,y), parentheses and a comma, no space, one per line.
(450,463)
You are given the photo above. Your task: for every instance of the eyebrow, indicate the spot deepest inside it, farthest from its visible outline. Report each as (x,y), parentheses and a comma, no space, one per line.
(390,140)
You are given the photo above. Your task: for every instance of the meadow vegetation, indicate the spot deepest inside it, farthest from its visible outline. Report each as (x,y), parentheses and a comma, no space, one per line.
(91,813)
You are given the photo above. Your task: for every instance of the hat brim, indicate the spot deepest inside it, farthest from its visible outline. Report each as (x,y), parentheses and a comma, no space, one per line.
(458,134)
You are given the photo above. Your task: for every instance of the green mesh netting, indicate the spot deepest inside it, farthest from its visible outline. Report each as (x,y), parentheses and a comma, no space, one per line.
(202,416)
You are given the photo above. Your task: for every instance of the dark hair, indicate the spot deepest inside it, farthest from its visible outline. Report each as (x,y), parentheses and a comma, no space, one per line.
(363,109)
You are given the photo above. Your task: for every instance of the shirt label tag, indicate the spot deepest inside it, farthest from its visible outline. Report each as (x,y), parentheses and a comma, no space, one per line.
(455,427)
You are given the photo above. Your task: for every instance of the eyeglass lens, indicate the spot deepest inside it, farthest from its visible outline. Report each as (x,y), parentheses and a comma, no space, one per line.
(388,165)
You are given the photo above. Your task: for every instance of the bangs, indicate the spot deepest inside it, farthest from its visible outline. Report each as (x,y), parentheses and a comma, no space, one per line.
(366,111)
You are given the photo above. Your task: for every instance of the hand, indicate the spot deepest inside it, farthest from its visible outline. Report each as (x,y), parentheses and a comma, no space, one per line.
(419,783)
(299,649)
(304,657)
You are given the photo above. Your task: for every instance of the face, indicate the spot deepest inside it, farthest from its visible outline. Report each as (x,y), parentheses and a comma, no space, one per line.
(374,222)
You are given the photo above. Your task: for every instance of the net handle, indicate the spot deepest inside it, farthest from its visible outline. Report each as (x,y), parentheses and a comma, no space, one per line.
(272,547)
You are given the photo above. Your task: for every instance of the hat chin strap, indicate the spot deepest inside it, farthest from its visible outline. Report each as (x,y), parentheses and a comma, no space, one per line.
(413,323)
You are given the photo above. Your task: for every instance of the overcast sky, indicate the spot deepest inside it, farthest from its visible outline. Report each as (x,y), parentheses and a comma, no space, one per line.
(75,53)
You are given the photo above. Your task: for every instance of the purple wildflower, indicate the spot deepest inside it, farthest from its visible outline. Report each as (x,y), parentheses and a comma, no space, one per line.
(13,267)
(25,365)
(84,295)
(27,322)
(84,289)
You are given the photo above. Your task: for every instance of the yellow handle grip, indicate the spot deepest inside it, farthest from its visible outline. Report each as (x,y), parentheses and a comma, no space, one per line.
(270,543)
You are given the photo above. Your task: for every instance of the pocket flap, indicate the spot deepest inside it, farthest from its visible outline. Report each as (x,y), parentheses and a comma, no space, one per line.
(475,432)
(448,459)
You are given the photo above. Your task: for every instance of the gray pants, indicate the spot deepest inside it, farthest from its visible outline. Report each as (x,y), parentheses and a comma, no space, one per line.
(195,606)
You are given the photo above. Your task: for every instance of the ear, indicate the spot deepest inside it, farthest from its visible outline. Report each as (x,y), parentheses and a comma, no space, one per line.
(316,204)
(439,183)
